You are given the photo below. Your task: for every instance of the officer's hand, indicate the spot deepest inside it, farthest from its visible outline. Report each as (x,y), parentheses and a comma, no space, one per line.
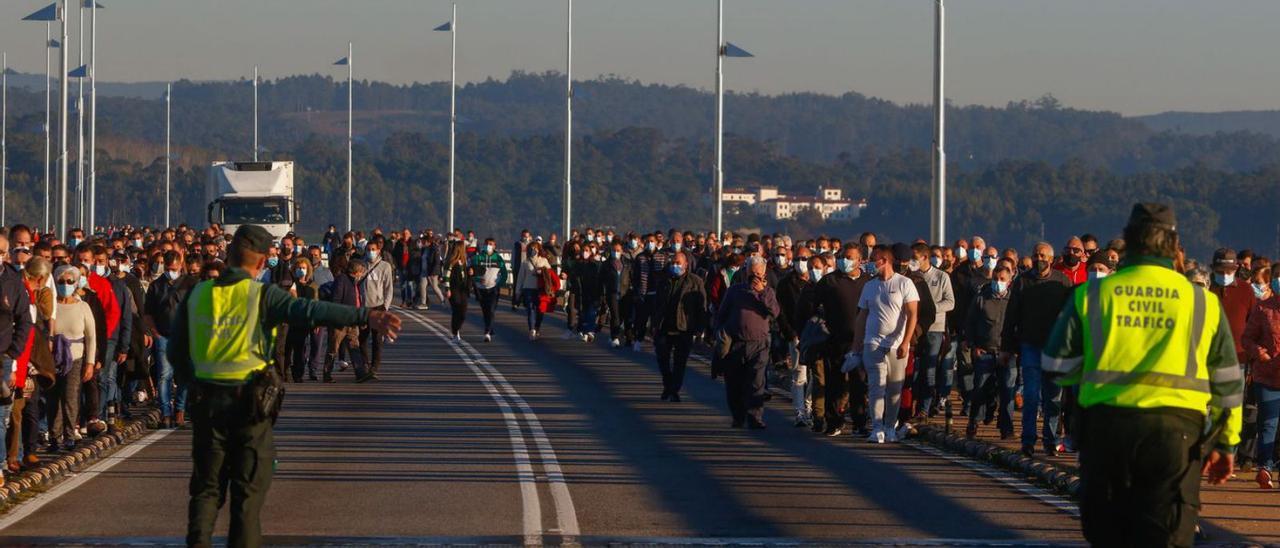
(1219,466)
(384,322)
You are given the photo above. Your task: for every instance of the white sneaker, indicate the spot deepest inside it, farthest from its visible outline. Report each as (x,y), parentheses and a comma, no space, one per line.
(591,337)
(615,343)
(343,365)
(877,435)
(421,307)
(457,337)
(533,334)
(635,347)
(583,337)
(488,337)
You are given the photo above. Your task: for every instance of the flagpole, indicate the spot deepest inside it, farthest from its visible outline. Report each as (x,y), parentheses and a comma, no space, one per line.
(350,62)
(939,195)
(63,86)
(168,132)
(255,113)
(719,175)
(453,107)
(568,126)
(93,113)
(80,129)
(48,173)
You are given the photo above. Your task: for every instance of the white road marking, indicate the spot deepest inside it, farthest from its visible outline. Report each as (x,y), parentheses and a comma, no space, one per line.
(37,502)
(1018,484)
(531,507)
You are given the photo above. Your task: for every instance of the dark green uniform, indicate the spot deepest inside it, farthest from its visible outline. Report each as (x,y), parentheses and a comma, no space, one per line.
(229,448)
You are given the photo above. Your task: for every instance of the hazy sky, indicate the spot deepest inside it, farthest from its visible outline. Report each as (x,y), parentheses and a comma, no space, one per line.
(1133,56)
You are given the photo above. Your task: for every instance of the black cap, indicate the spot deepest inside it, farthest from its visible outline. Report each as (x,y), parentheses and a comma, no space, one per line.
(902,252)
(1224,256)
(253,237)
(1153,214)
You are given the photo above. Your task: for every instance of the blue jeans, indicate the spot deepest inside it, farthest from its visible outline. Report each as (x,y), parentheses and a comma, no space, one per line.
(991,381)
(107,386)
(534,313)
(587,320)
(933,376)
(1039,396)
(1268,420)
(408,291)
(170,399)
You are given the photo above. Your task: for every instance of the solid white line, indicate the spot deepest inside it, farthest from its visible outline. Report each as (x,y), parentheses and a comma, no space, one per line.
(531,507)
(566,515)
(35,503)
(1001,476)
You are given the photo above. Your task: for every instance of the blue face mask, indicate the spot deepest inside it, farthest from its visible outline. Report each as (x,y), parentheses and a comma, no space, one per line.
(488,248)
(845,265)
(1224,279)
(990,263)
(65,290)
(273,261)
(616,254)
(935,262)
(975,254)
(72,242)
(677,246)
(677,270)
(1259,290)
(999,286)
(816,275)
(650,246)
(300,273)
(961,253)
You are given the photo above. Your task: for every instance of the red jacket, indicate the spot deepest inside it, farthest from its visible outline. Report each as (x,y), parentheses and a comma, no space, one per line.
(1262,332)
(1237,302)
(110,306)
(1077,275)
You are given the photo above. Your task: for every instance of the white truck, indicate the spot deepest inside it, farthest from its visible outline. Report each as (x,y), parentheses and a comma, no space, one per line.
(259,193)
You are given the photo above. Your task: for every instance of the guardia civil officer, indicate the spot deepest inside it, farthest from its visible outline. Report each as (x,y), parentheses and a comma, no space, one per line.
(222,345)
(1160,390)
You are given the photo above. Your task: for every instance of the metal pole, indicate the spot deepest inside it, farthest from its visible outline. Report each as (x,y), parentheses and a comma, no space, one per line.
(350,62)
(255,113)
(453,107)
(93,113)
(4,132)
(719,175)
(64,87)
(568,127)
(938,203)
(80,128)
(168,132)
(48,173)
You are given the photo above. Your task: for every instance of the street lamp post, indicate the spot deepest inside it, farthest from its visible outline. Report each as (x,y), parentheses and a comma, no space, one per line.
(568,127)
(347,61)
(452,28)
(723,49)
(168,131)
(938,201)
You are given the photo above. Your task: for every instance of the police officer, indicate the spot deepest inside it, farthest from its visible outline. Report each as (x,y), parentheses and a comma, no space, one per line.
(221,342)
(1160,390)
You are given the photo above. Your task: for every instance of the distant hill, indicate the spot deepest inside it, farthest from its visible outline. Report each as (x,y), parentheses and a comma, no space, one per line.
(139,90)
(1266,122)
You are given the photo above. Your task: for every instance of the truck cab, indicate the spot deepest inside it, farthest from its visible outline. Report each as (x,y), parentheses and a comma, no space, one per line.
(259,193)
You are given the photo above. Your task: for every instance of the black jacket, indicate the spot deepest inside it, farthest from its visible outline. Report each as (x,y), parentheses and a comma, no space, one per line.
(682,303)
(1034,304)
(15,312)
(796,309)
(985,322)
(838,295)
(966,282)
(616,277)
(926,309)
(344,290)
(590,284)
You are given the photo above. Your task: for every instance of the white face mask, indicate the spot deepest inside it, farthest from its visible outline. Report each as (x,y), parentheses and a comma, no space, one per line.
(100,270)
(173,274)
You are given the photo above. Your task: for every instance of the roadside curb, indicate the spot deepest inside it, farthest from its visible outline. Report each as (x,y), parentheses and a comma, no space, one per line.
(1062,480)
(87,452)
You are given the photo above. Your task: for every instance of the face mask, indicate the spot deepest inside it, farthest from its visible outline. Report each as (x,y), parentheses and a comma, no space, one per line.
(1070,260)
(137,244)
(488,248)
(914,265)
(591,237)
(999,286)
(782,261)
(633,244)
(66,290)
(362,243)
(975,254)
(616,254)
(83,282)
(300,273)
(525,239)
(650,246)
(816,275)
(845,265)
(802,265)
(125,267)
(273,261)
(99,270)
(586,255)
(990,263)
(72,242)
(1094,275)
(1259,290)
(173,274)
(961,253)
(1041,266)
(1224,279)
(935,262)
(677,270)
(677,246)
(298,249)
(869,268)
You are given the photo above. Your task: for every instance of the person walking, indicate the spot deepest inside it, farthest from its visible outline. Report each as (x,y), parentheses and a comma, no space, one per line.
(886,324)
(378,289)
(431,261)
(160,308)
(744,317)
(489,276)
(682,298)
(459,288)
(616,279)
(76,331)
(346,291)
(994,379)
(1153,356)
(15,328)
(304,288)
(533,273)
(1261,344)
(221,344)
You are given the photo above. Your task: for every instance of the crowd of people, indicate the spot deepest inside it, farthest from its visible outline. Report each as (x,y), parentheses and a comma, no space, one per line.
(875,339)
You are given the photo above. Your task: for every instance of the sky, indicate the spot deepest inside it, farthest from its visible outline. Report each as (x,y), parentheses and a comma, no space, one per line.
(1131,56)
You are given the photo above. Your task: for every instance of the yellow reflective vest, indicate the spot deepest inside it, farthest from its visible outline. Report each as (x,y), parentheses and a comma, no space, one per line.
(224,327)
(1145,337)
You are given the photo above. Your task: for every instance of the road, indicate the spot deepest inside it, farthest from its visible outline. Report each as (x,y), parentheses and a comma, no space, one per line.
(554,441)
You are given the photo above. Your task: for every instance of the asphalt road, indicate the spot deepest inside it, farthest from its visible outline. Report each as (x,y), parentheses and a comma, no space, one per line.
(554,441)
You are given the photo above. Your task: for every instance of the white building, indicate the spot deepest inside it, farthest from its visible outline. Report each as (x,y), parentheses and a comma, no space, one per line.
(828,202)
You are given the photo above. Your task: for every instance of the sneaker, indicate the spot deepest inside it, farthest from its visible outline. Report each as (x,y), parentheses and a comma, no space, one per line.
(533,335)
(835,432)
(635,347)
(615,343)
(457,337)
(1264,479)
(488,337)
(876,437)
(591,337)
(583,337)
(421,307)
(891,436)
(343,365)
(79,434)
